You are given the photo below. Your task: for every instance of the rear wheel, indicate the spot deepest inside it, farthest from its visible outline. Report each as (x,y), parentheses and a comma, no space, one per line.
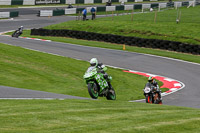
(93,90)
(156,99)
(14,34)
(111,95)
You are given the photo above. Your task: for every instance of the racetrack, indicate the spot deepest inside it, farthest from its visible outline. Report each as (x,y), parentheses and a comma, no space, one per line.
(17,93)
(188,73)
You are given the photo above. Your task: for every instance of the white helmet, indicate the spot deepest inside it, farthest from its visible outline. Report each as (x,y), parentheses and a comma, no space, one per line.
(93,62)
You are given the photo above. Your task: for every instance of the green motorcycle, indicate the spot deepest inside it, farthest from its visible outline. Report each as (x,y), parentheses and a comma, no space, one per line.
(98,85)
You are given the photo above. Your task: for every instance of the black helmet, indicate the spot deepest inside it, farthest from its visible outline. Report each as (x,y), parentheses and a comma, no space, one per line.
(150,79)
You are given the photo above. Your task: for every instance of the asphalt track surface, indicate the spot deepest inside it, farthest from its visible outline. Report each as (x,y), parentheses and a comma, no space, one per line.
(18,93)
(186,72)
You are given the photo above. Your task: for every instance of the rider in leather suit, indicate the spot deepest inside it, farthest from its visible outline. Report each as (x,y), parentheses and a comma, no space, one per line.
(100,68)
(152,81)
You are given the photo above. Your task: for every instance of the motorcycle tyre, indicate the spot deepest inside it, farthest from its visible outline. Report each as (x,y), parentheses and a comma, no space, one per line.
(160,102)
(148,99)
(14,34)
(110,95)
(91,90)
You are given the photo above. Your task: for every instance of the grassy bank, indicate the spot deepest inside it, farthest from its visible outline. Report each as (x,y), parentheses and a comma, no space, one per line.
(143,25)
(182,56)
(78,116)
(28,69)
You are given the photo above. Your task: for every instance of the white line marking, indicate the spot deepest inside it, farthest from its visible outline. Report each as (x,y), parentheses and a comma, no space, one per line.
(137,100)
(167,79)
(177,84)
(173,89)
(152,75)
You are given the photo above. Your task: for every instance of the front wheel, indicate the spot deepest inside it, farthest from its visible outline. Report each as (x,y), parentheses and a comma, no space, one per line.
(14,34)
(111,95)
(93,90)
(148,99)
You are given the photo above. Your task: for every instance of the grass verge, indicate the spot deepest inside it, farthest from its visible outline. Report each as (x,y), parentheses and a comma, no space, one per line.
(78,116)
(28,69)
(144,25)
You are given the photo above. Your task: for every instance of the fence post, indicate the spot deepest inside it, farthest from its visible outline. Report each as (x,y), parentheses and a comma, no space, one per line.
(112,15)
(155,16)
(132,16)
(179,16)
(79,15)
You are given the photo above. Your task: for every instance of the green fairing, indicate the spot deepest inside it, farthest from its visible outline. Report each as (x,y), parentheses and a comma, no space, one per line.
(101,81)
(98,85)
(92,74)
(105,69)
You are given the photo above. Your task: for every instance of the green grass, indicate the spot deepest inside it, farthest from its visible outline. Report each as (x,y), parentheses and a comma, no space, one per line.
(143,25)
(182,56)
(107,13)
(28,69)
(81,116)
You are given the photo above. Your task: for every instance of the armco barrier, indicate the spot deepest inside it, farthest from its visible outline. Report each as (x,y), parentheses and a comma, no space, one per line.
(29,2)
(14,14)
(32,2)
(17,2)
(110,8)
(4,14)
(132,41)
(46,13)
(70,11)
(58,12)
(9,14)
(5,2)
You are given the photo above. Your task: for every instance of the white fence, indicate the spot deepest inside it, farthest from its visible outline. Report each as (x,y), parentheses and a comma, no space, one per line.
(110,8)
(5,2)
(70,11)
(88,1)
(89,9)
(46,13)
(70,1)
(4,14)
(128,7)
(29,2)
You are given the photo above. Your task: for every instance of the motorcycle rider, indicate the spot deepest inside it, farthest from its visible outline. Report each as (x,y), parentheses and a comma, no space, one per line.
(21,29)
(153,82)
(18,32)
(100,68)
